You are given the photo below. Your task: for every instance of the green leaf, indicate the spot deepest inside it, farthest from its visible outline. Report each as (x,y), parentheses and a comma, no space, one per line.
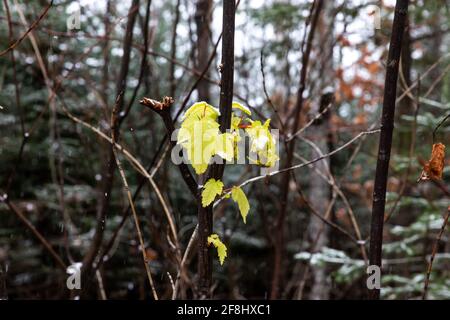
(221,248)
(237,105)
(211,189)
(240,198)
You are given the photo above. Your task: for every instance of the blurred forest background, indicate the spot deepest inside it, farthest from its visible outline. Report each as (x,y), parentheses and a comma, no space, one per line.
(62,196)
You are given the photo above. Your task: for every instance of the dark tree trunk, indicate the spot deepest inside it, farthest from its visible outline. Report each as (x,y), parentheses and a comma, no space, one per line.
(205,215)
(173,49)
(203,20)
(387,128)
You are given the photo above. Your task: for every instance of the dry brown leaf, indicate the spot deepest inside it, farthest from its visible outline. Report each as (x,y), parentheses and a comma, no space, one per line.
(434,167)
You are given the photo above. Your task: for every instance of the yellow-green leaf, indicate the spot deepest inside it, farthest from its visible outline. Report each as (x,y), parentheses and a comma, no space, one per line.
(240,198)
(263,143)
(211,189)
(225,146)
(235,122)
(237,105)
(221,248)
(198,137)
(201,110)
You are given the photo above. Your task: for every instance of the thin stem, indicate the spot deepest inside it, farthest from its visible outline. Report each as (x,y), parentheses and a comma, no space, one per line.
(433,254)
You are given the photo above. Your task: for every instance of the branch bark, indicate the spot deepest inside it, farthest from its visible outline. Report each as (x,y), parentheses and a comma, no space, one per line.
(385,144)
(202,21)
(163,109)
(173,49)
(205,215)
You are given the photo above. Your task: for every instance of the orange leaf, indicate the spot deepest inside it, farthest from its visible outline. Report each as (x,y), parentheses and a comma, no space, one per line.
(434,167)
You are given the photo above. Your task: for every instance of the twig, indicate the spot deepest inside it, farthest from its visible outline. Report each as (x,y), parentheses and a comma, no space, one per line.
(4,198)
(411,154)
(325,220)
(138,166)
(163,110)
(13,62)
(109,167)
(171,282)
(32,26)
(125,214)
(439,125)
(433,254)
(133,210)
(280,220)
(101,287)
(186,254)
(143,60)
(310,122)
(275,110)
(301,165)
(359,240)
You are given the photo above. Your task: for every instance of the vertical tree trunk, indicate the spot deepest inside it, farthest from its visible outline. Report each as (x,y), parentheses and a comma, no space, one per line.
(318,187)
(109,167)
(3,291)
(279,226)
(173,49)
(203,21)
(387,128)
(205,215)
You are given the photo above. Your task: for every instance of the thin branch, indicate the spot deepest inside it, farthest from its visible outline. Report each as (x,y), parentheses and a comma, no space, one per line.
(137,165)
(133,209)
(280,220)
(350,212)
(109,167)
(144,58)
(163,110)
(32,26)
(433,254)
(310,123)
(301,165)
(269,101)
(439,125)
(4,198)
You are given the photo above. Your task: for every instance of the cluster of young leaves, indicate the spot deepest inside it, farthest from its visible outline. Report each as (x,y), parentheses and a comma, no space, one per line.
(200,136)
